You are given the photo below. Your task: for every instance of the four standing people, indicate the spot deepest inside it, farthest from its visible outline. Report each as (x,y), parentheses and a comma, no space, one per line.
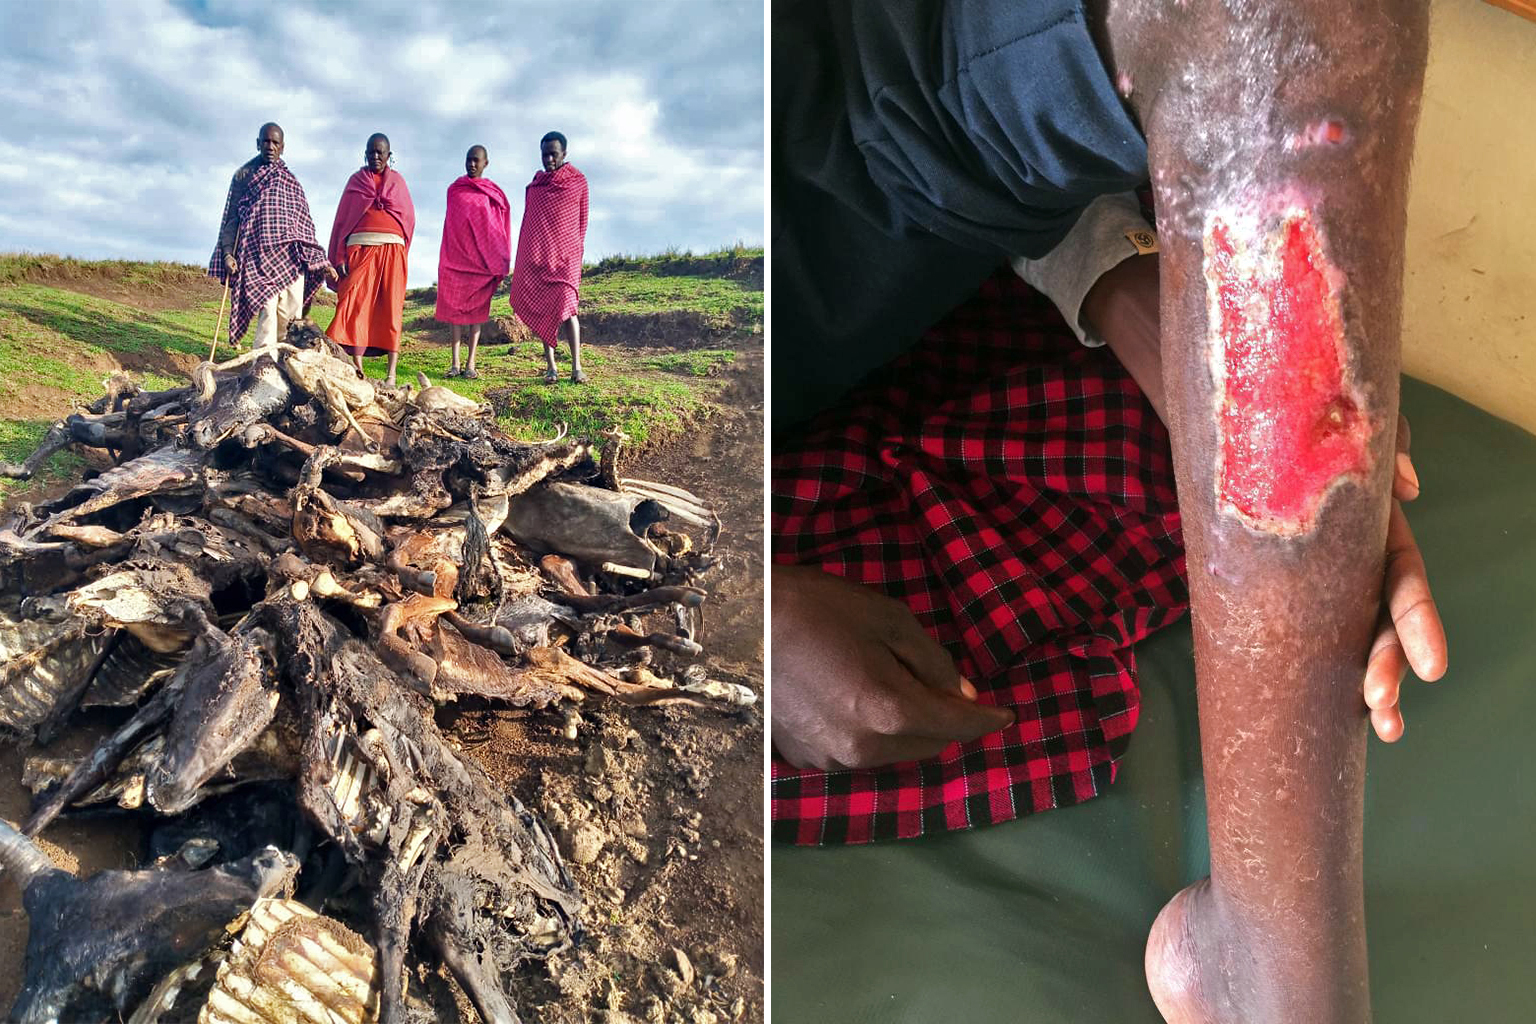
(369,241)
(267,253)
(475,254)
(547,275)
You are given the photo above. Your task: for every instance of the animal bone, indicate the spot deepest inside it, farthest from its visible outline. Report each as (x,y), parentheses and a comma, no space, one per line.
(96,947)
(292,964)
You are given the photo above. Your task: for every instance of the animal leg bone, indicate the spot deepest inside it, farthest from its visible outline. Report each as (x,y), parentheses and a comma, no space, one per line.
(55,440)
(336,405)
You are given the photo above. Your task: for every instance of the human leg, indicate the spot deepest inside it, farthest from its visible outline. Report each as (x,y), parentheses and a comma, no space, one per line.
(453,370)
(572,329)
(265,332)
(551,371)
(474,347)
(1279,147)
(290,305)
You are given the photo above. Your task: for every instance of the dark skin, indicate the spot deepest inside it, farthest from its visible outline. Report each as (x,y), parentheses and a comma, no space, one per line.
(376,159)
(552,156)
(822,692)
(476,160)
(1232,100)
(1300,637)
(269,147)
(889,692)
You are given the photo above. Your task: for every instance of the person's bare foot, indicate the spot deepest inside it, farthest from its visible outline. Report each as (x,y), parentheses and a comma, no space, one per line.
(1204,967)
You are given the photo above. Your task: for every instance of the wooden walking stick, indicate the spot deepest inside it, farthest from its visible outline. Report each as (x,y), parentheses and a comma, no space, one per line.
(214,346)
(220,321)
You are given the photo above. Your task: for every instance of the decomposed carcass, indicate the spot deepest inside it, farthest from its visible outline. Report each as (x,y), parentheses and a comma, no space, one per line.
(275,575)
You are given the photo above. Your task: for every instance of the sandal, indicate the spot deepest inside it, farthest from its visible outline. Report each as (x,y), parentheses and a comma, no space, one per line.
(552,377)
(454,371)
(578,378)
(470,375)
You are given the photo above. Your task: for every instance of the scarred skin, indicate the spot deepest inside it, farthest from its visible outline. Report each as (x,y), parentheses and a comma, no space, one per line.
(1276,115)
(1278,123)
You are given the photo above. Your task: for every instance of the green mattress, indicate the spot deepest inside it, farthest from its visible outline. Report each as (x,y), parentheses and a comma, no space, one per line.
(1044,919)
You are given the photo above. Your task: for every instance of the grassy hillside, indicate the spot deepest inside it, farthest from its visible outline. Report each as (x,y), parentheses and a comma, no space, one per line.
(66,324)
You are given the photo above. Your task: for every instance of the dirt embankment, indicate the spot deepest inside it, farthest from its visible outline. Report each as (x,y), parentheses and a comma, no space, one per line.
(676,329)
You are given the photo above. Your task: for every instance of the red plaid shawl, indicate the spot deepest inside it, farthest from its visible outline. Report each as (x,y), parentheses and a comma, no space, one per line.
(275,243)
(547,272)
(1015,490)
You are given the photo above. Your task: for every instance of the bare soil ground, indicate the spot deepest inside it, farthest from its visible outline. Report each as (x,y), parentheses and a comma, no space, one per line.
(659,810)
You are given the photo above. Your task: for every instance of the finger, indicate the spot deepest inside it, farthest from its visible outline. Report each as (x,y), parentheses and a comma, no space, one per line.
(1388,723)
(896,749)
(944,716)
(1410,603)
(929,663)
(1384,669)
(1405,480)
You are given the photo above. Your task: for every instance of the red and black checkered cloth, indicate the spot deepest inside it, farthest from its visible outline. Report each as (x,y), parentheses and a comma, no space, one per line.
(1015,490)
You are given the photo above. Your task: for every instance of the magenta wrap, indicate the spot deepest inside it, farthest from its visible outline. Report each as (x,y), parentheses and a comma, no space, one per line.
(476,252)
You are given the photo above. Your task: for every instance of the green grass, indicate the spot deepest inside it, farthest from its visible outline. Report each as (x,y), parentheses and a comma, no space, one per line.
(725,304)
(61,339)
(103,325)
(699,362)
(730,262)
(19,439)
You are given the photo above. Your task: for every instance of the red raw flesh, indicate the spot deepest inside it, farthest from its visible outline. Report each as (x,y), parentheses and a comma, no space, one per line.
(1289,426)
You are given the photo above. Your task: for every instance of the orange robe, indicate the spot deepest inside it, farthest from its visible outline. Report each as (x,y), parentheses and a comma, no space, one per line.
(370,301)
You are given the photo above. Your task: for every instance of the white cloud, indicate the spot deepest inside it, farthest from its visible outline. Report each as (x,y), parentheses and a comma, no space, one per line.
(120,123)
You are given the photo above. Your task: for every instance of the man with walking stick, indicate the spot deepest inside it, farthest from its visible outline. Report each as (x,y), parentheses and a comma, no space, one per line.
(267,255)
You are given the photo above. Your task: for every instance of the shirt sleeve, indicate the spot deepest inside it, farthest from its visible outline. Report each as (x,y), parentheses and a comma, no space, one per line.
(1110,230)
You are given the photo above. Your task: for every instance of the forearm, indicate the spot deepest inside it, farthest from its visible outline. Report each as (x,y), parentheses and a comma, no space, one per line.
(1122,309)
(229,231)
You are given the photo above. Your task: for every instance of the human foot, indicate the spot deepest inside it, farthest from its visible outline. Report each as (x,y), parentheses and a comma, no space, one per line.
(1205,967)
(578,377)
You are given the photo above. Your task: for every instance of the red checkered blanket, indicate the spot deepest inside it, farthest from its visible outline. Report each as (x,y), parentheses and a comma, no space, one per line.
(1015,490)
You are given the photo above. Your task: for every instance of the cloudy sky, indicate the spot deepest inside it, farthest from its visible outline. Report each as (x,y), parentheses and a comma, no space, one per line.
(121,122)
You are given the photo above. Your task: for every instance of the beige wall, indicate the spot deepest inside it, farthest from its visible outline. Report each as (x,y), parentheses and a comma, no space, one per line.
(1469,316)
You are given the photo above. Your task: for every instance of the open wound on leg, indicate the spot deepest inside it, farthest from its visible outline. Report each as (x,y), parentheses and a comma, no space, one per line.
(1290,421)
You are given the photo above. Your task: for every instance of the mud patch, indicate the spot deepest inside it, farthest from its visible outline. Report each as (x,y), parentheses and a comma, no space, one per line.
(661,814)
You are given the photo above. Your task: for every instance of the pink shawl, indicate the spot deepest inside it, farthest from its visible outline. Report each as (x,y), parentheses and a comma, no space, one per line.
(361,195)
(477,230)
(547,275)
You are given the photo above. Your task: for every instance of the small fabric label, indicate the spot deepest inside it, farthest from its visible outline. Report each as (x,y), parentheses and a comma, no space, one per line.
(1144,241)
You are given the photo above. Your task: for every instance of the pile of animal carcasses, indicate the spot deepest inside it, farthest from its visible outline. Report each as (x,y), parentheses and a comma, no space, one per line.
(283,571)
